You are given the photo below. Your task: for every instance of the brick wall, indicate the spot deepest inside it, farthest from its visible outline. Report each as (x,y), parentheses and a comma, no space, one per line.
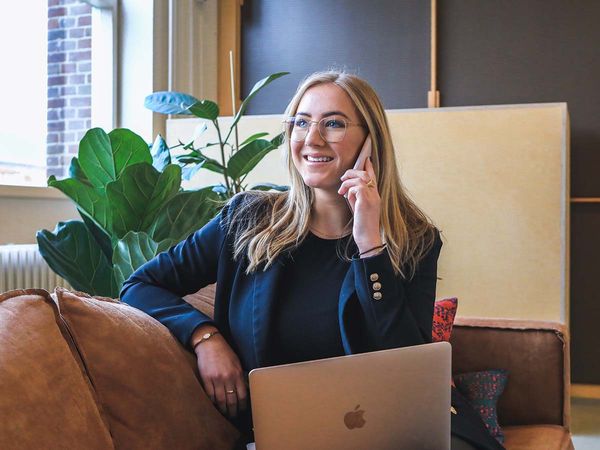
(69,81)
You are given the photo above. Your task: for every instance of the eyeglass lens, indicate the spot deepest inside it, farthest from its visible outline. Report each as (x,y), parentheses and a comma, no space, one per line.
(332,129)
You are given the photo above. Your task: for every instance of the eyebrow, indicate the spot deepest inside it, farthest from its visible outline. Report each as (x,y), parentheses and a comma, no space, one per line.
(329,113)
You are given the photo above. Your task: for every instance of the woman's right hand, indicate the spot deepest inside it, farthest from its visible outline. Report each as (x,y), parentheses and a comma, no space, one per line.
(221,371)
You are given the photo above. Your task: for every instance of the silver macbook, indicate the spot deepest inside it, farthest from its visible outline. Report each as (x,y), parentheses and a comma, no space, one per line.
(389,399)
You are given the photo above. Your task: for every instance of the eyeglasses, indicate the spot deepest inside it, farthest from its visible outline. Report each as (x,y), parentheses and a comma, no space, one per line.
(331,129)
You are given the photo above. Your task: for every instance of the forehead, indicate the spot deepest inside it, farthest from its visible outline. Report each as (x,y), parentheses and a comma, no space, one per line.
(324,98)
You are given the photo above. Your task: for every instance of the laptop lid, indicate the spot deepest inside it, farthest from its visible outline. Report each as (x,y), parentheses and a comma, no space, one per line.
(389,399)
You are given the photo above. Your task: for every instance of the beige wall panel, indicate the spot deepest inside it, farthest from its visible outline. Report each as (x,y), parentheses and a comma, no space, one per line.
(493,179)
(24,211)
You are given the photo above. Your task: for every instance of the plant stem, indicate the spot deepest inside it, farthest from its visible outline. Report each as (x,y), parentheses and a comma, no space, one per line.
(222,147)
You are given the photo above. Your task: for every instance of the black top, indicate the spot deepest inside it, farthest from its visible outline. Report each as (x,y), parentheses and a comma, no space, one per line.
(305,321)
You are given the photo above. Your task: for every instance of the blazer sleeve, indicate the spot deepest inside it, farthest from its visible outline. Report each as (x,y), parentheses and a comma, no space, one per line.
(396,312)
(157,287)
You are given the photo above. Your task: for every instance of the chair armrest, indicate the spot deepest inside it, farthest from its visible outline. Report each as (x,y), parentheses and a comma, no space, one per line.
(535,353)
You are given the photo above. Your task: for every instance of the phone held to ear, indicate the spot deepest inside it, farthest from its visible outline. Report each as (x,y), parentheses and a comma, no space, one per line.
(364,153)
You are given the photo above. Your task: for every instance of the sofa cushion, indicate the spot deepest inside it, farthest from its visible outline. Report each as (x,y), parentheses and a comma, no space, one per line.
(45,398)
(444,311)
(536,356)
(145,381)
(482,390)
(537,437)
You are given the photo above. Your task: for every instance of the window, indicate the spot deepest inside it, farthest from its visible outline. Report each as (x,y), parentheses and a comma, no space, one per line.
(23,93)
(47,92)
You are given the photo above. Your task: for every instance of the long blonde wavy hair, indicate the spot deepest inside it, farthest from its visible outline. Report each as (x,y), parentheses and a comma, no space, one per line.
(265,224)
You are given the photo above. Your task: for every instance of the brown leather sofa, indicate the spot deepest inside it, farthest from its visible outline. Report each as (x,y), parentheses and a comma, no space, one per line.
(82,372)
(534,409)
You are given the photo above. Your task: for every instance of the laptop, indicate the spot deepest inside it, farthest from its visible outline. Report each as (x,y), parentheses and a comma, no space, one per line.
(388,399)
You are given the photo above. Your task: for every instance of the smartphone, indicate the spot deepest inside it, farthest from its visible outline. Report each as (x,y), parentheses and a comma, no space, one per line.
(364,153)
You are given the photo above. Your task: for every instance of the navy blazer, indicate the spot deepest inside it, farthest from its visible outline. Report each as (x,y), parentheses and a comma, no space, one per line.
(244,303)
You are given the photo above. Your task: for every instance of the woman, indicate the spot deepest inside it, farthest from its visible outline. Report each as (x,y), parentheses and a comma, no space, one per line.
(344,262)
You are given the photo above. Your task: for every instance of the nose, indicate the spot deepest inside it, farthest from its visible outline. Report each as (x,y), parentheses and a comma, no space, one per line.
(313,136)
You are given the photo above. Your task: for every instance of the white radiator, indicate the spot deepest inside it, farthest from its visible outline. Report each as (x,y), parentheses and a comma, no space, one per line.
(22,267)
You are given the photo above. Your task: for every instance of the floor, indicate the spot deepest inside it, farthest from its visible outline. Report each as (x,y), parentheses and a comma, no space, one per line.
(585,423)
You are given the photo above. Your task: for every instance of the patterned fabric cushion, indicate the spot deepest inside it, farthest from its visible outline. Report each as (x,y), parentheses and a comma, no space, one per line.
(444,312)
(482,390)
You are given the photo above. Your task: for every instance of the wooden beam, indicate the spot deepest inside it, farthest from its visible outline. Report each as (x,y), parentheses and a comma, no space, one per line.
(229,39)
(585,200)
(585,390)
(433,96)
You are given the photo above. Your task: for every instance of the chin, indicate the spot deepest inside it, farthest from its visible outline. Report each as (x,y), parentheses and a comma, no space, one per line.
(318,183)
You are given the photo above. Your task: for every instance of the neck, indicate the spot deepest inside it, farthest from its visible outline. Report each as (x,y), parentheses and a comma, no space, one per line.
(330,214)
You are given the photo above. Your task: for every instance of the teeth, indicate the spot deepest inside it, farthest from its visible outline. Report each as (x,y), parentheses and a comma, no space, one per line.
(319,159)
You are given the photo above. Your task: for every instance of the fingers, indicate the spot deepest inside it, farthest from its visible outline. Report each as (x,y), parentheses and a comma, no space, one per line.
(209,389)
(231,400)
(352,173)
(242,394)
(358,182)
(221,398)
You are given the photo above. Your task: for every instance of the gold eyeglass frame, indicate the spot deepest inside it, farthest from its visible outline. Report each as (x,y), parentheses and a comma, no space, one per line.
(290,121)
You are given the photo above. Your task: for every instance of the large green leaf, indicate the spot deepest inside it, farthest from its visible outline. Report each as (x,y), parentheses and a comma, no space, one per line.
(72,252)
(91,201)
(253,138)
(103,157)
(102,238)
(161,157)
(205,109)
(185,213)
(255,89)
(167,102)
(247,157)
(76,172)
(135,249)
(138,195)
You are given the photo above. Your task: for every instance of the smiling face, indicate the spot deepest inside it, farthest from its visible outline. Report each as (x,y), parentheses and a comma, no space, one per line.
(321,164)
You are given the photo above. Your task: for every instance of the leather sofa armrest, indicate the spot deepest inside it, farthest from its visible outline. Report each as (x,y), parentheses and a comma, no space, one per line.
(535,353)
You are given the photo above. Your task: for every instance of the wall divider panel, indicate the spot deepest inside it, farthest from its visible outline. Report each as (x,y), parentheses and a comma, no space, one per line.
(494,179)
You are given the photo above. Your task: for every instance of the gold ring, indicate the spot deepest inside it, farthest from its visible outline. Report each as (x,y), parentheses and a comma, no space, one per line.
(371,183)
(230,392)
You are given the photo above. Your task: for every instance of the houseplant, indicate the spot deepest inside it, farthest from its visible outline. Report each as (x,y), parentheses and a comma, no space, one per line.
(236,160)
(130,199)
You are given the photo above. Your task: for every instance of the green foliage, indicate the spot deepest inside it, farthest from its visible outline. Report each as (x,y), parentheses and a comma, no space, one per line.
(130,211)
(237,160)
(130,199)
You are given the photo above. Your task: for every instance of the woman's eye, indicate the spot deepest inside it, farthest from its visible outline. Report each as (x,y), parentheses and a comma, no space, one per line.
(300,123)
(334,123)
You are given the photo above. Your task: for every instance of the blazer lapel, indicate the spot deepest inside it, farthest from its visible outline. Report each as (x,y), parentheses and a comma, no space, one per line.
(263,301)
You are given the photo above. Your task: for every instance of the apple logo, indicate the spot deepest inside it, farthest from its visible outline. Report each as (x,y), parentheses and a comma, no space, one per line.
(354,419)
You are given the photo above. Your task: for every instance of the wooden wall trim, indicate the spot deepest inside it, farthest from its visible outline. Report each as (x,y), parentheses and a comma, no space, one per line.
(433,96)
(585,390)
(229,39)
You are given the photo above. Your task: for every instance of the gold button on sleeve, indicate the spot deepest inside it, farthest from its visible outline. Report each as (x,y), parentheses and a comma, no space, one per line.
(377,296)
(374,277)
(376,286)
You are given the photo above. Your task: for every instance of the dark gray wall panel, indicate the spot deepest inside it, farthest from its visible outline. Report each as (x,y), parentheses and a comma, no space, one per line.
(384,41)
(585,301)
(515,51)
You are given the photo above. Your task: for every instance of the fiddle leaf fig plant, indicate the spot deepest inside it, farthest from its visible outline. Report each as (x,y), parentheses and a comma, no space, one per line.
(235,161)
(130,199)
(132,207)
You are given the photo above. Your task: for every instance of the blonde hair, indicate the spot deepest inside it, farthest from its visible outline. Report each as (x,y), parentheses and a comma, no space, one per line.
(266,223)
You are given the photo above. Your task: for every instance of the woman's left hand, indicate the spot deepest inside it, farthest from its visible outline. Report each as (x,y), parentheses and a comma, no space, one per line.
(365,204)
